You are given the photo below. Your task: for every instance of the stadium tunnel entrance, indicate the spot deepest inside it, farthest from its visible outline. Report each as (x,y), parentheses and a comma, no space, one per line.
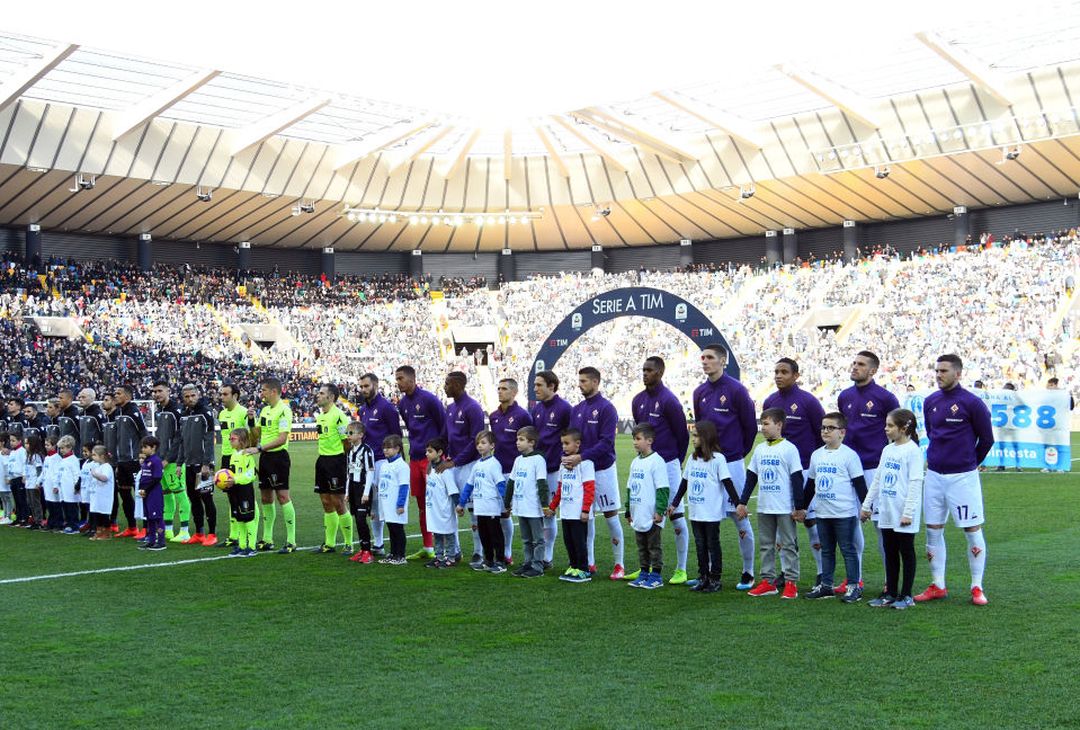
(656,304)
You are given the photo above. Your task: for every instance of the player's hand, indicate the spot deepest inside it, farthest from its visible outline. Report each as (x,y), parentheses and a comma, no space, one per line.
(443,466)
(251,412)
(401,510)
(571,460)
(505,514)
(250,451)
(548,512)
(905,521)
(799,515)
(142,493)
(365,500)
(740,511)
(670,510)
(584,516)
(460,511)
(657,518)
(864,516)
(205,471)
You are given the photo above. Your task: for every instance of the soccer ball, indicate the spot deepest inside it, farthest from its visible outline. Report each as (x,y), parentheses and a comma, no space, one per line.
(223,478)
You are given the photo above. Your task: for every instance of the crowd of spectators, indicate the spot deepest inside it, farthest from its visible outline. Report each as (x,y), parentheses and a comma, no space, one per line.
(994,302)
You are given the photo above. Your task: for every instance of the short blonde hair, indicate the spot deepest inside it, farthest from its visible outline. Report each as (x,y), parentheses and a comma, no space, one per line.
(66,442)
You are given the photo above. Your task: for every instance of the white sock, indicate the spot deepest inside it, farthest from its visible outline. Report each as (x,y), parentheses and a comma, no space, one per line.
(682,542)
(477,545)
(551,533)
(615,527)
(746,543)
(976,556)
(590,539)
(815,545)
(508,534)
(935,553)
(377,533)
(860,545)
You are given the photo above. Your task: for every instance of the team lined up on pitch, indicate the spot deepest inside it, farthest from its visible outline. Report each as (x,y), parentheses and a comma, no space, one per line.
(554,468)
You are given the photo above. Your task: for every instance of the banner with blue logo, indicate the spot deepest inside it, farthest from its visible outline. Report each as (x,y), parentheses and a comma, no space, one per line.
(1031,427)
(631,302)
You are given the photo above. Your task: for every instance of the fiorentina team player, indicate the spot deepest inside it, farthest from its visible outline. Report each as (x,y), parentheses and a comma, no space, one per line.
(424,418)
(725,402)
(505,421)
(380,419)
(551,418)
(661,409)
(802,427)
(464,422)
(865,404)
(960,434)
(597,420)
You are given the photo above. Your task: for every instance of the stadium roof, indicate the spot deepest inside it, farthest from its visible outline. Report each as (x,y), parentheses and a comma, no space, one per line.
(802,144)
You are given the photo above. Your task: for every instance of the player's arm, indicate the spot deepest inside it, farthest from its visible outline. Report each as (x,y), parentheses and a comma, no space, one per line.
(729,487)
(402,496)
(984,431)
(369,472)
(466,495)
(817,413)
(543,492)
(507,493)
(809,490)
(254,429)
(798,482)
(677,418)
(915,476)
(554,504)
(678,496)
(747,420)
(662,496)
(871,495)
(748,488)
(859,484)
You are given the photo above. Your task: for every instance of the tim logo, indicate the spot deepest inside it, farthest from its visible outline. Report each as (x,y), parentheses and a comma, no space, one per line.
(680,312)
(557,343)
(575,321)
(703,332)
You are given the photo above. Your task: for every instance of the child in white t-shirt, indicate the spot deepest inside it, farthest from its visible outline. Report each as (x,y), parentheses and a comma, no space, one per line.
(102,485)
(527,493)
(896,494)
(777,468)
(647,492)
(574,499)
(439,499)
(707,486)
(836,487)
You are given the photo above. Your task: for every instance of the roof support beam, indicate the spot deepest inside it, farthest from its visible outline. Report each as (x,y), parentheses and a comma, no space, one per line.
(260,131)
(553,153)
(418,145)
(26,77)
(350,152)
(508,153)
(978,71)
(457,156)
(144,111)
(847,101)
(606,152)
(720,120)
(636,132)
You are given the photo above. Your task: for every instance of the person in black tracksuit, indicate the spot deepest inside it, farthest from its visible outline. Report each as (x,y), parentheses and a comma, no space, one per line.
(128,432)
(197,431)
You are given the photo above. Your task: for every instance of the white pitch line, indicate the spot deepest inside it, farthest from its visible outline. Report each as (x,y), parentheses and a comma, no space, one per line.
(121,568)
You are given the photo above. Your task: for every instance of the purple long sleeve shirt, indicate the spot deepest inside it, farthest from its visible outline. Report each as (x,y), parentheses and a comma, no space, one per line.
(661,409)
(464,419)
(597,420)
(551,418)
(865,408)
(728,405)
(958,426)
(803,424)
(505,426)
(380,420)
(424,418)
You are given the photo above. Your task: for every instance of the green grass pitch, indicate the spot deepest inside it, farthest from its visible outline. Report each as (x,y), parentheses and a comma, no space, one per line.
(315,641)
